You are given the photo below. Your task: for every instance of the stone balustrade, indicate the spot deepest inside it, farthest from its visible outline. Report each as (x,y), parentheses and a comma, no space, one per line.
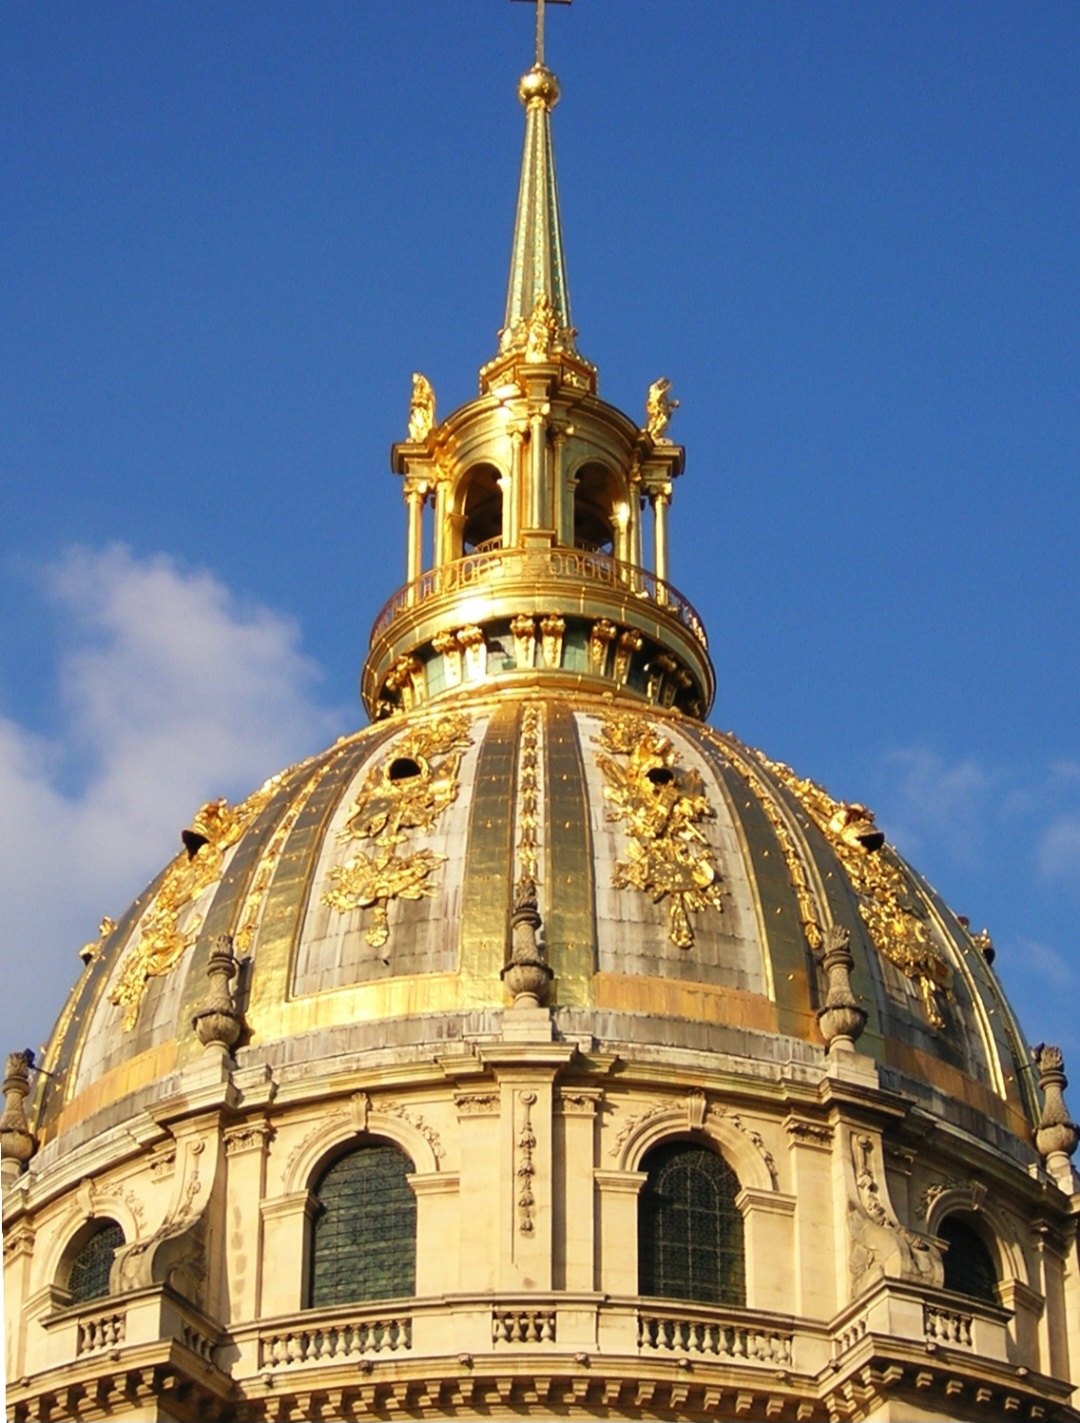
(947,1326)
(100,1331)
(714,1336)
(337,1340)
(523,1326)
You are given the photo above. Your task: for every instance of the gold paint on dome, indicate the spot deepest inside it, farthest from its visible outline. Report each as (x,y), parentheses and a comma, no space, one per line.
(407,790)
(161,943)
(898,922)
(260,885)
(661,807)
(808,911)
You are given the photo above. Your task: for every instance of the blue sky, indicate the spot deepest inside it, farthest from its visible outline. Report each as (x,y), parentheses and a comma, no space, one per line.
(846,231)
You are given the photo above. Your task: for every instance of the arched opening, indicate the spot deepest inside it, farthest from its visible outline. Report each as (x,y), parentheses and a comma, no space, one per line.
(969,1265)
(690,1231)
(597,496)
(481,505)
(363,1232)
(91,1264)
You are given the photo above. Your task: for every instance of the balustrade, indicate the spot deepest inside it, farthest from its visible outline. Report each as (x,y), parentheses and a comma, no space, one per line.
(687,1334)
(491,564)
(338,1341)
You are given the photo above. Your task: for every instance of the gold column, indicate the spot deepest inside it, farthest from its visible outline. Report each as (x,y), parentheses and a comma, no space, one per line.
(561,504)
(442,551)
(506,489)
(623,551)
(637,557)
(537,471)
(517,482)
(414,498)
(661,501)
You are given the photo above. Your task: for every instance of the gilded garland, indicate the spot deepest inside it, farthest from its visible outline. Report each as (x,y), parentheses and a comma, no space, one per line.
(404,792)
(898,922)
(662,807)
(162,942)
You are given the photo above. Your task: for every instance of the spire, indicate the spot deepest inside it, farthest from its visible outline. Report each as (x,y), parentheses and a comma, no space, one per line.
(537,264)
(530,570)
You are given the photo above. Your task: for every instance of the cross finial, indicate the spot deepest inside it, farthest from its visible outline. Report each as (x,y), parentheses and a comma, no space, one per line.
(540,4)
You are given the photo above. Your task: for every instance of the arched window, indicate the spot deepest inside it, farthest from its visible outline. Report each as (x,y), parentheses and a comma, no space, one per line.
(481,510)
(88,1277)
(690,1232)
(596,494)
(363,1238)
(969,1266)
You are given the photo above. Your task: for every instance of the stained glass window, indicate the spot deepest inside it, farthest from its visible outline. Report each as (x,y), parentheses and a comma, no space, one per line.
(89,1275)
(690,1232)
(969,1266)
(363,1243)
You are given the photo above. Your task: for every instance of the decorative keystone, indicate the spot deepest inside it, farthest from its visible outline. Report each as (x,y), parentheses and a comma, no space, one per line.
(17,1141)
(1057,1134)
(217,1023)
(527,976)
(841,1019)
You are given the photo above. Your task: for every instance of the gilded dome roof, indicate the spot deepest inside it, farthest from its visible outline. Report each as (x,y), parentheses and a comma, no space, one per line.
(684,884)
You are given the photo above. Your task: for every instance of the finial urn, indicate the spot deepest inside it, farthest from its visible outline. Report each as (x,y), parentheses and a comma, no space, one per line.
(841,1019)
(217,1023)
(17,1142)
(527,976)
(1057,1135)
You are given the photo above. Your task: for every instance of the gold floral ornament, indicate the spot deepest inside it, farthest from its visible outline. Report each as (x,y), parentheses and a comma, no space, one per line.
(662,807)
(161,942)
(898,922)
(405,792)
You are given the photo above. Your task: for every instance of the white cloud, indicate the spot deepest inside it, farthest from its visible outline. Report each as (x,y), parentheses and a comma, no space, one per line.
(1045,961)
(1058,853)
(932,801)
(172,692)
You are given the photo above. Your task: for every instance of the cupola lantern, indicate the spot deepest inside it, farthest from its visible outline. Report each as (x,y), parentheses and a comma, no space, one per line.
(540,493)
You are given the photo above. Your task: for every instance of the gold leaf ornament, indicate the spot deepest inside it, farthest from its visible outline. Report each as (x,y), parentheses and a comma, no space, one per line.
(897,919)
(162,943)
(661,806)
(405,792)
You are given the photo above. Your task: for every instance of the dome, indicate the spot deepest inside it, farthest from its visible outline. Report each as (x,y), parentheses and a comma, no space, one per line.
(684,884)
(539,1050)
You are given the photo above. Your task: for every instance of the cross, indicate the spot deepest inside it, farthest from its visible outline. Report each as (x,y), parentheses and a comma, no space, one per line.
(540,23)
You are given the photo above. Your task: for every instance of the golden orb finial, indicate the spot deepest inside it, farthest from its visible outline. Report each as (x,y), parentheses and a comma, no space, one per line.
(539,86)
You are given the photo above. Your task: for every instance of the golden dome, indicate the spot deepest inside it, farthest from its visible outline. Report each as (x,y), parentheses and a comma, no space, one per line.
(685,884)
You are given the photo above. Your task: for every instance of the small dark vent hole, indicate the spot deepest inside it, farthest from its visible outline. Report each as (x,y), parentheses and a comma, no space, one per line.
(660,776)
(193,842)
(872,840)
(403,769)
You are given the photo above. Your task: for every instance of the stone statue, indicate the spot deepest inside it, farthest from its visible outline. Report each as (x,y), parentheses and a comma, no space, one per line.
(659,408)
(421,408)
